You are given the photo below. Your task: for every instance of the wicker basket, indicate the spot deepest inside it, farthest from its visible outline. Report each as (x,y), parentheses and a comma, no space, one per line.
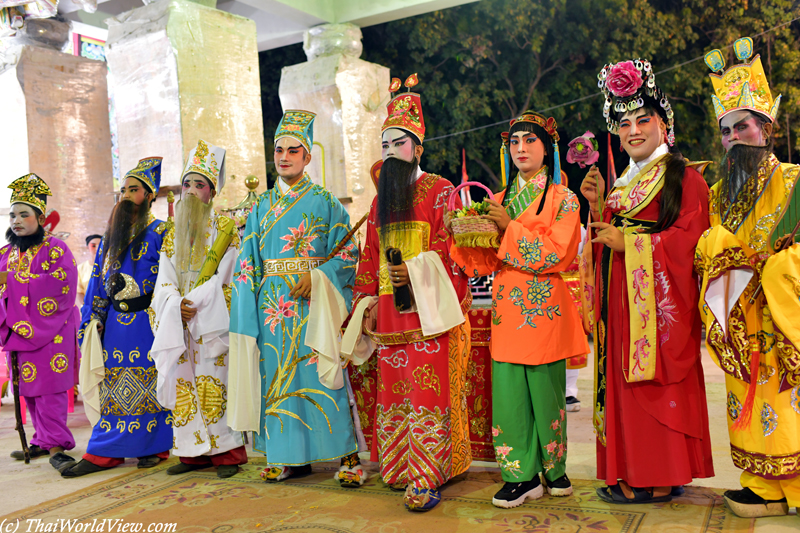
(473,231)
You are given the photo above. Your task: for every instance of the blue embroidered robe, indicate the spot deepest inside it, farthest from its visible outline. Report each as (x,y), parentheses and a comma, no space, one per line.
(299,421)
(132,422)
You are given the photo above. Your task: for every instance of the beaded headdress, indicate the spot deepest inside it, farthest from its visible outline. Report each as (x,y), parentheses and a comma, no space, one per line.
(743,86)
(148,171)
(624,86)
(549,125)
(405,109)
(25,189)
(209,161)
(299,125)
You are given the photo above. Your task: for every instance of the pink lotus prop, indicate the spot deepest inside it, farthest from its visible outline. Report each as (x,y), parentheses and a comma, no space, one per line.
(583,150)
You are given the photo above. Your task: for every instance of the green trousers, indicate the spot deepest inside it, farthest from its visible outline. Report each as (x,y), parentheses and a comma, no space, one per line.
(529,419)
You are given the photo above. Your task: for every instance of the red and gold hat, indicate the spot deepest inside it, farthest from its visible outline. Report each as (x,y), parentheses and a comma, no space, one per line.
(405,110)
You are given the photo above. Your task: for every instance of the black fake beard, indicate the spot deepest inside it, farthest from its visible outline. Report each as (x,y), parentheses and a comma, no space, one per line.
(742,162)
(127,219)
(396,191)
(26,241)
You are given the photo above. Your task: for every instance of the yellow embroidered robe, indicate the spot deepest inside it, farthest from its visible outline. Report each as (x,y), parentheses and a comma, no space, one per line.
(733,257)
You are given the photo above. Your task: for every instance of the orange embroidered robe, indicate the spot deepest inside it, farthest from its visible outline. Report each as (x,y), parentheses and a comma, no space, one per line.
(534,318)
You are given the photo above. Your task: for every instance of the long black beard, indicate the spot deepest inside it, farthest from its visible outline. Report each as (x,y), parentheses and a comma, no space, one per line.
(127,219)
(26,241)
(742,163)
(395,191)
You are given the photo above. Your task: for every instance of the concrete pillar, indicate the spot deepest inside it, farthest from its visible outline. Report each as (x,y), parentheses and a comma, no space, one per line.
(55,124)
(349,96)
(181,71)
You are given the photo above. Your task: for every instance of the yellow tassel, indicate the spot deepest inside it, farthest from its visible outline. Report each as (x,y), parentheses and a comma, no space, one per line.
(503,177)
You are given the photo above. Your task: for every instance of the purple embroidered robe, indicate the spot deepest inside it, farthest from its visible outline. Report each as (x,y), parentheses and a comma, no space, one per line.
(38,317)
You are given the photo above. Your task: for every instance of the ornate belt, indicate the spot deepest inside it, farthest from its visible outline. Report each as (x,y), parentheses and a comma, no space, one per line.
(132,305)
(297,265)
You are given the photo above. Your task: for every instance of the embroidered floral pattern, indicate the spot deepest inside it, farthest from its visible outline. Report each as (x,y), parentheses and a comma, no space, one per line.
(795,399)
(245,271)
(530,251)
(557,447)
(666,309)
(300,239)
(502,453)
(539,291)
(536,293)
(277,312)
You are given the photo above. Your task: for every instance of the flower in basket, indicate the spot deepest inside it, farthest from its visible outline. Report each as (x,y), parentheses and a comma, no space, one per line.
(624,79)
(583,150)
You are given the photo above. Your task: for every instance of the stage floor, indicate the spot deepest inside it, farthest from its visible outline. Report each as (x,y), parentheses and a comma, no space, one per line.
(28,487)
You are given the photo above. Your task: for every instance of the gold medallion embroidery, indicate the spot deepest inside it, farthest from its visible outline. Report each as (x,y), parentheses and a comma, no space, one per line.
(24,329)
(59,363)
(47,306)
(28,371)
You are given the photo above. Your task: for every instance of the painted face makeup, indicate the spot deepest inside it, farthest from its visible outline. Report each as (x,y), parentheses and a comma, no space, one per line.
(398,144)
(290,158)
(92,246)
(527,151)
(641,134)
(132,189)
(23,220)
(199,186)
(741,127)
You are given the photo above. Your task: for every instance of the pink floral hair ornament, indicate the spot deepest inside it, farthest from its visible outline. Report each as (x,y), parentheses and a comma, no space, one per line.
(583,150)
(625,85)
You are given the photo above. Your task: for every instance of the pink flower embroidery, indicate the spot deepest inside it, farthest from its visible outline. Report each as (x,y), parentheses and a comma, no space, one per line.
(624,79)
(276,315)
(313,360)
(551,446)
(245,269)
(540,181)
(298,240)
(278,209)
(503,450)
(346,253)
(561,450)
(583,150)
(555,424)
(496,431)
(638,243)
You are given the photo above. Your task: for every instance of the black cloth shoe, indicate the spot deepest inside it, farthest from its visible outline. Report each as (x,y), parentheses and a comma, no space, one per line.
(181,468)
(515,494)
(559,487)
(573,404)
(747,504)
(148,462)
(82,468)
(61,461)
(34,450)
(677,490)
(224,471)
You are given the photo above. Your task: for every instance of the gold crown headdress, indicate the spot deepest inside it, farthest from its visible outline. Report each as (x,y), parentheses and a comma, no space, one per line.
(743,86)
(26,189)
